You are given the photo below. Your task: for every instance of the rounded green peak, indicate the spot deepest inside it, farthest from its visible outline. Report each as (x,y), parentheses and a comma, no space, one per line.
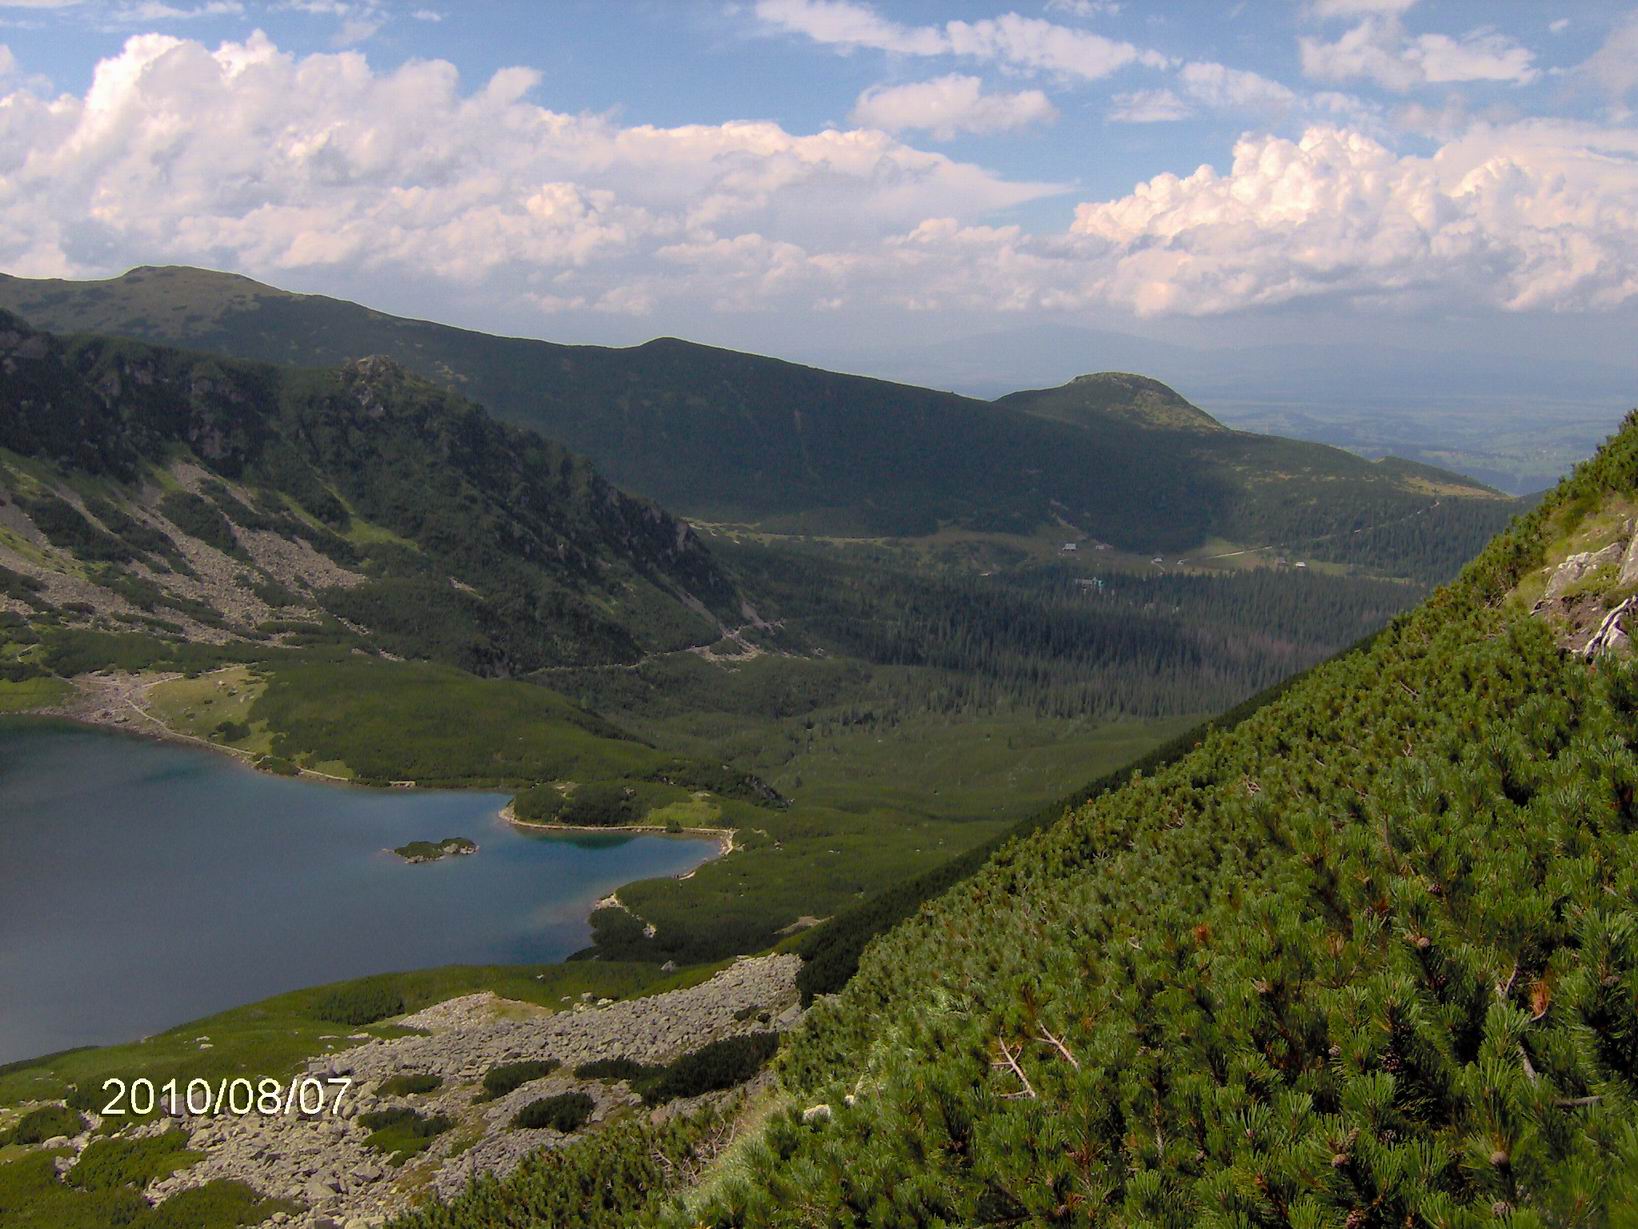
(1119,394)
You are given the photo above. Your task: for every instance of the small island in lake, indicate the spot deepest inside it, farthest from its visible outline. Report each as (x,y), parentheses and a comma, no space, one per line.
(431,851)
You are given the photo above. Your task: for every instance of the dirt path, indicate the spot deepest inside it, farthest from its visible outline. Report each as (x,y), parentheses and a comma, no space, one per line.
(734,635)
(113,700)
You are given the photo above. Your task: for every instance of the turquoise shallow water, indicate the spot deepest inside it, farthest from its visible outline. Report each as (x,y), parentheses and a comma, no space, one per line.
(144,884)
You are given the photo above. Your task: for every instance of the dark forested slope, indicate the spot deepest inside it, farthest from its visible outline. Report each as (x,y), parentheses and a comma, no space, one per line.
(214,496)
(721,435)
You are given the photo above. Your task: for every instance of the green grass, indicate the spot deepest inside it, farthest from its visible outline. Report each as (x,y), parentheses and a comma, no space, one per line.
(361,532)
(400,1132)
(689,813)
(963,766)
(808,861)
(507,1077)
(566,1112)
(202,706)
(435,725)
(33,1197)
(1574,527)
(29,694)
(871,807)
(410,1084)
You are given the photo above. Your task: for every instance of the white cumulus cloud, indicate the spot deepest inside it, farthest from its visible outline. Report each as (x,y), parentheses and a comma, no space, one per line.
(248,157)
(1380,49)
(1205,84)
(1614,66)
(1148,107)
(1535,215)
(1085,8)
(1014,41)
(949,105)
(145,11)
(1360,8)
(1216,85)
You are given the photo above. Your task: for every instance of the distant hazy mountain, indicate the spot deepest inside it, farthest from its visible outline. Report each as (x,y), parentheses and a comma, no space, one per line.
(725,436)
(1510,421)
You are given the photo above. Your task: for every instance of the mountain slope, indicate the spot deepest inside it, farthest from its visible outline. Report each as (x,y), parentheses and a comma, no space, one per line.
(154,488)
(734,437)
(1367,959)
(1370,958)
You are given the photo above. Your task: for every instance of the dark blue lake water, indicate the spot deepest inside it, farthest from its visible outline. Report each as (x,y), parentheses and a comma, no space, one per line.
(144,884)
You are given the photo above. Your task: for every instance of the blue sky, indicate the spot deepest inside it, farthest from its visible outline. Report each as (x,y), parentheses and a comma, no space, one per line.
(786,174)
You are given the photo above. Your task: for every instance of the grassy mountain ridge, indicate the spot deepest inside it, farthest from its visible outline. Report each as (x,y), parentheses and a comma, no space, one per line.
(1088,397)
(361,492)
(724,436)
(1367,959)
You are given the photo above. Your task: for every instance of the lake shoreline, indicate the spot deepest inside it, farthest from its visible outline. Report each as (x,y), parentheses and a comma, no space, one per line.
(106,701)
(723,836)
(109,702)
(307,876)
(102,701)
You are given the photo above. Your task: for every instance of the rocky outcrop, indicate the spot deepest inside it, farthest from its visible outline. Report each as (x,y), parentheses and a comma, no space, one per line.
(1589,596)
(323,1162)
(1614,634)
(650,1030)
(1578,567)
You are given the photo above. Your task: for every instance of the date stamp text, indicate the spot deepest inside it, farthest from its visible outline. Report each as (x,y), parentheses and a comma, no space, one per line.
(306,1096)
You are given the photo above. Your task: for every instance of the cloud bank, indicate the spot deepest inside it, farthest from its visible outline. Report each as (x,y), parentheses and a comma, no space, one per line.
(1534,215)
(248,158)
(1380,49)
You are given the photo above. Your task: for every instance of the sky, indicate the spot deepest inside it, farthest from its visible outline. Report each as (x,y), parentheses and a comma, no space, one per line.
(832,176)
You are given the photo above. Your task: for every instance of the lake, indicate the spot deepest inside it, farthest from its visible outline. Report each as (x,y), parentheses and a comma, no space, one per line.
(144,884)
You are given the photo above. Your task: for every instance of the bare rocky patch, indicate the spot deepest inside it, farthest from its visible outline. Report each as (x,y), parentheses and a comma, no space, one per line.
(212,578)
(1590,597)
(324,1163)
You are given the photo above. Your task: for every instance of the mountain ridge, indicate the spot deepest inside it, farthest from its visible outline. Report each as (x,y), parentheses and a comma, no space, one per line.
(727,437)
(359,493)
